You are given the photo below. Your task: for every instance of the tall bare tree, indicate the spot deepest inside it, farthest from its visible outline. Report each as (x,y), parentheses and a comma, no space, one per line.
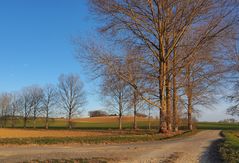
(48,102)
(116,92)
(25,105)
(71,94)
(36,97)
(5,102)
(158,28)
(15,107)
(234,78)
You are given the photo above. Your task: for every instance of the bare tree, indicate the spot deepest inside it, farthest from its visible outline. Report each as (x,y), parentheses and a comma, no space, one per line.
(115,91)
(15,107)
(36,96)
(5,102)
(48,102)
(157,28)
(133,71)
(30,100)
(234,98)
(25,105)
(71,94)
(234,78)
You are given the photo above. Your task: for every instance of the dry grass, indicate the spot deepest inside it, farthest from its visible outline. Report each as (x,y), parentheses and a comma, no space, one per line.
(25,133)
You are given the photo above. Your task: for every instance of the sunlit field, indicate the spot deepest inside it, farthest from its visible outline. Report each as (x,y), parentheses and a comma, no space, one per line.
(111,122)
(85,130)
(88,123)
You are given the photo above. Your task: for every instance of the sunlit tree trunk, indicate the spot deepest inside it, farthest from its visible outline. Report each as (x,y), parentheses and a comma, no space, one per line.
(135,110)
(149,119)
(175,95)
(163,124)
(69,119)
(46,120)
(189,96)
(168,98)
(120,112)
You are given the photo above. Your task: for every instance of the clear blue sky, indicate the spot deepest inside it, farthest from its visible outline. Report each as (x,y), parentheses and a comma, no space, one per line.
(35,44)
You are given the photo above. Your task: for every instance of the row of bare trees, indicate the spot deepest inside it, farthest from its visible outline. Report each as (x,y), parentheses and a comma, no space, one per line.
(170,54)
(33,102)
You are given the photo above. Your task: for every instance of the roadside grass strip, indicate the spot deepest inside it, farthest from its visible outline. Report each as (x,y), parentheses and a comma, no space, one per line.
(229,149)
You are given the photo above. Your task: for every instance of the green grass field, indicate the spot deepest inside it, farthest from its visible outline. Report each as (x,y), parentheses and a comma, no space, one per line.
(217,126)
(62,124)
(113,124)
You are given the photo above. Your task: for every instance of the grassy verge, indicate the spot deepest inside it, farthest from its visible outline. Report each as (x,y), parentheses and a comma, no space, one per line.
(229,149)
(91,139)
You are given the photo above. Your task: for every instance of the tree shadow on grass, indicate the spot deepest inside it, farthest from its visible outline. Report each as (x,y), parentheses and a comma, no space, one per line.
(212,155)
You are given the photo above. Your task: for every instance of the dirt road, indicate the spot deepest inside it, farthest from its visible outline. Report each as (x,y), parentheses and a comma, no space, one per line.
(197,148)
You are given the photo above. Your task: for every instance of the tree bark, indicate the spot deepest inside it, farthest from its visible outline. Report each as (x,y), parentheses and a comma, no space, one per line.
(163,124)
(25,122)
(120,122)
(189,97)
(69,120)
(34,122)
(120,112)
(13,120)
(175,95)
(168,98)
(149,120)
(34,119)
(190,124)
(46,123)
(2,119)
(135,110)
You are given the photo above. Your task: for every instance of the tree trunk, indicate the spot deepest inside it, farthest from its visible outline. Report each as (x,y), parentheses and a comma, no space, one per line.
(12,119)
(46,123)
(34,122)
(69,121)
(163,124)
(168,98)
(25,122)
(189,96)
(135,110)
(175,107)
(2,119)
(120,111)
(120,121)
(149,120)
(175,95)
(25,115)
(34,117)
(190,124)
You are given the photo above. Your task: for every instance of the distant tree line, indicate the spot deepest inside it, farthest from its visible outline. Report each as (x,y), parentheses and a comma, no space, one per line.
(98,113)
(34,101)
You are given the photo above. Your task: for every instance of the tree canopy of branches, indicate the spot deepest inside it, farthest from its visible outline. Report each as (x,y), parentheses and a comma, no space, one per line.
(234,78)
(71,94)
(49,101)
(158,31)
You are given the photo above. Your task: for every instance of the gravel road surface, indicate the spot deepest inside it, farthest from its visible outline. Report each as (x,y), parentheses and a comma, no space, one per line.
(197,148)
